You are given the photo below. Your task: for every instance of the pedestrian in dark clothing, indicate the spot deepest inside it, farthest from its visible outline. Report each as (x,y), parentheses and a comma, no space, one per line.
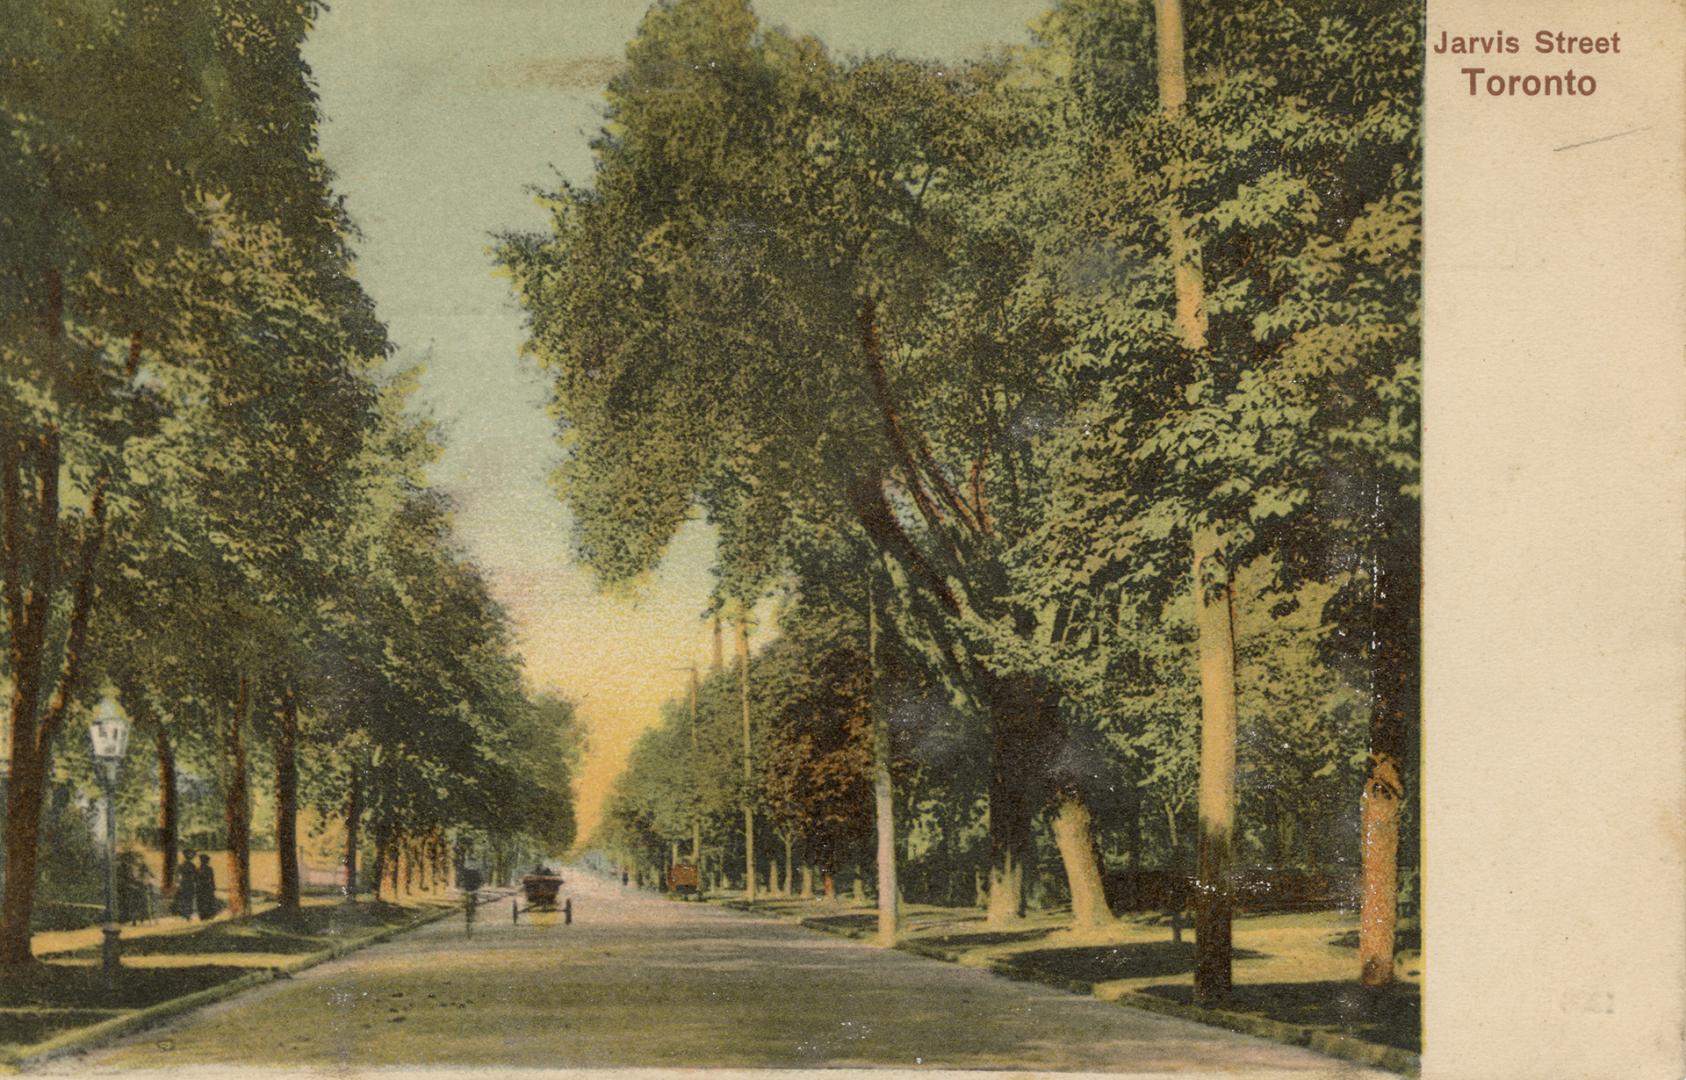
(205,889)
(187,885)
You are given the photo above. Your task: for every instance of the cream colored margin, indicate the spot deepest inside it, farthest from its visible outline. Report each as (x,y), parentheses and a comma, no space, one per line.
(1555,584)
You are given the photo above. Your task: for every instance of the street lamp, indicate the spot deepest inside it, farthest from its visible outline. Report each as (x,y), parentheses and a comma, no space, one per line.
(108,733)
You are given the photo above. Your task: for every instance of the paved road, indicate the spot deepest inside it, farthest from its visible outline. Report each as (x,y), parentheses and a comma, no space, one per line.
(644,982)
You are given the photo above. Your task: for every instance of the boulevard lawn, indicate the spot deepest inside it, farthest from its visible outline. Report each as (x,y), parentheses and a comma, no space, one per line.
(1296,968)
(172,959)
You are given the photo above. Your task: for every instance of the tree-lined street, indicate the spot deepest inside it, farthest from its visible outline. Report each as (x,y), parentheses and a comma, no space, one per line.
(1049,411)
(638,980)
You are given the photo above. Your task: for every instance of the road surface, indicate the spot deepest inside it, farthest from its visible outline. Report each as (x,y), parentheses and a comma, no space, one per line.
(640,981)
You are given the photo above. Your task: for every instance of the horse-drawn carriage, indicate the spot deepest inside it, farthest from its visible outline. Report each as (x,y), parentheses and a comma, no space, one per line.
(541,887)
(684,880)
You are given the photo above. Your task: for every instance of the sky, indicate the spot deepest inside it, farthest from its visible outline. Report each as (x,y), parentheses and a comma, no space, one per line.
(440,116)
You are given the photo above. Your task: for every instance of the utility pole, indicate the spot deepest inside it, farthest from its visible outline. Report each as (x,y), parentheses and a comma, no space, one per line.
(748,774)
(884,806)
(696,816)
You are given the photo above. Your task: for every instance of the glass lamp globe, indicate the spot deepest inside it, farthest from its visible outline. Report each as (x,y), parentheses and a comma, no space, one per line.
(109,731)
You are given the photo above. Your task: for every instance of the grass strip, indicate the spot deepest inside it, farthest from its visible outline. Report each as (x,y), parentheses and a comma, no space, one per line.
(81,1039)
(1334,1044)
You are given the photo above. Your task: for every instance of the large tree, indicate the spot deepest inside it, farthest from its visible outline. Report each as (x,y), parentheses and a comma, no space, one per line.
(740,312)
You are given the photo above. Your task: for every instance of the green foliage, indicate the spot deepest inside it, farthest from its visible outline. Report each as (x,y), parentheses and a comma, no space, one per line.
(884,319)
(212,494)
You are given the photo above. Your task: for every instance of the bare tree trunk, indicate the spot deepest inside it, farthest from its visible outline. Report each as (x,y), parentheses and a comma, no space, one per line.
(27,612)
(1176,875)
(1010,813)
(789,865)
(1133,829)
(378,839)
(1215,890)
(353,821)
(1395,704)
(167,807)
(807,882)
(1074,834)
(287,802)
(237,807)
(1214,595)
(748,774)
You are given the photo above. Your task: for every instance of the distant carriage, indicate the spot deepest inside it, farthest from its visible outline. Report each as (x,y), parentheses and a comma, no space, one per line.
(684,879)
(541,889)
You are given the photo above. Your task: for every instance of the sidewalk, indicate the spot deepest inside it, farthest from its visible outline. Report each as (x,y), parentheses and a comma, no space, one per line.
(1295,974)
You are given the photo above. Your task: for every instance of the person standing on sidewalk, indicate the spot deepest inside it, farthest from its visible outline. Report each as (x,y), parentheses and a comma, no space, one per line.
(205,889)
(187,886)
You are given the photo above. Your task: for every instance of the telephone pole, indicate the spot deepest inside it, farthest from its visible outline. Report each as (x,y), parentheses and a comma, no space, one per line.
(748,773)
(884,806)
(696,814)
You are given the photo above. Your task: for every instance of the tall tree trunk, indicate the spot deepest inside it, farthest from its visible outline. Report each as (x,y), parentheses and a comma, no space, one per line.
(807,882)
(1185,255)
(353,820)
(27,610)
(1010,815)
(237,807)
(718,659)
(23,822)
(287,801)
(1023,741)
(1396,689)
(1214,594)
(1133,828)
(378,876)
(1178,895)
(789,866)
(748,773)
(167,807)
(883,801)
(1074,834)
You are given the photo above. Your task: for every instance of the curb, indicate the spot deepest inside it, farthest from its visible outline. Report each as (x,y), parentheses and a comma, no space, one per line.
(82,1039)
(1329,1043)
(1332,1044)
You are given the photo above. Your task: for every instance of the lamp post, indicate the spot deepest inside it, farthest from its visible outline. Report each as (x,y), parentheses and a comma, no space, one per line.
(108,733)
